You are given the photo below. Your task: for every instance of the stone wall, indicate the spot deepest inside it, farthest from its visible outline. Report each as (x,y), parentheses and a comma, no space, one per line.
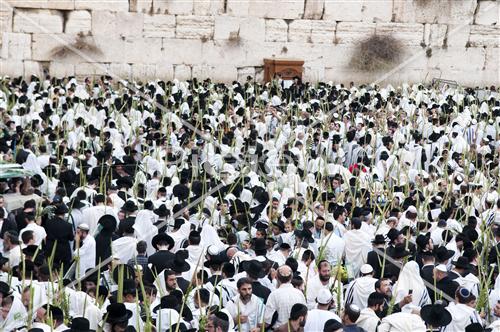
(228,39)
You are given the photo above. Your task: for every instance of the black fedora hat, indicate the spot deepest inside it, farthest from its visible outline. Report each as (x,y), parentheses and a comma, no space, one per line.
(162,238)
(108,222)
(379,239)
(117,313)
(75,203)
(181,192)
(443,254)
(435,315)
(5,289)
(125,181)
(280,225)
(399,251)
(54,311)
(179,264)
(259,244)
(254,268)
(79,324)
(162,211)
(129,206)
(128,272)
(462,262)
(304,234)
(167,302)
(61,209)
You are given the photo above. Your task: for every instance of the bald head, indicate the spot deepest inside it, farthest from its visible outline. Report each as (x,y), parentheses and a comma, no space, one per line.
(284,274)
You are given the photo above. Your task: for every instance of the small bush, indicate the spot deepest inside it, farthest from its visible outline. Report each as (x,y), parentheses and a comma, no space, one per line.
(377,53)
(81,44)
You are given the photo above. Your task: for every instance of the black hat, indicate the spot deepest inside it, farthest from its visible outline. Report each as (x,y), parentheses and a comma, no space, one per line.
(304,234)
(79,324)
(167,302)
(108,222)
(3,260)
(117,313)
(379,239)
(399,251)
(181,192)
(5,289)
(162,211)
(259,244)
(125,182)
(129,206)
(280,224)
(54,312)
(178,223)
(332,325)
(128,272)
(475,327)
(30,250)
(422,240)
(61,209)
(76,203)
(162,237)
(462,262)
(393,234)
(179,264)
(254,268)
(435,315)
(443,254)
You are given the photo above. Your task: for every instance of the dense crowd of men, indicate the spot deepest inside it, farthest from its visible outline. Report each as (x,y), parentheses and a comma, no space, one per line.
(285,206)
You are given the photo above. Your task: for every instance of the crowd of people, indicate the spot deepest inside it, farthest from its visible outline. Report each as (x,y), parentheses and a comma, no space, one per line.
(285,206)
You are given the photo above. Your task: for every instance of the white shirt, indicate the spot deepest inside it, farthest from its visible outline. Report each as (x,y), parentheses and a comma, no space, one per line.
(334,248)
(254,309)
(315,285)
(316,319)
(87,255)
(282,301)
(38,232)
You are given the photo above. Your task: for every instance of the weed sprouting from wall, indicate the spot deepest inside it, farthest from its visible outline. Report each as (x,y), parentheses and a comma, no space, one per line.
(377,52)
(83,43)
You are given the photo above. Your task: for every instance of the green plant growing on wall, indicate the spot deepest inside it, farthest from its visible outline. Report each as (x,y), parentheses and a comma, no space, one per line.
(377,52)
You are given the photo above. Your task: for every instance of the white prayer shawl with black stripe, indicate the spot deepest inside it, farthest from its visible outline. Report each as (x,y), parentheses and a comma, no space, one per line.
(462,315)
(410,279)
(359,290)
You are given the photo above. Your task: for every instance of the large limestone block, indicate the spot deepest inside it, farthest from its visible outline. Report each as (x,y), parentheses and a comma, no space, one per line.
(237,8)
(178,51)
(59,69)
(143,71)
(11,67)
(263,50)
(406,33)
(195,27)
(353,32)
(434,34)
(488,13)
(226,27)
(376,10)
(6,14)
(114,5)
(182,72)
(208,7)
(38,20)
(276,30)
(457,35)
(164,71)
(457,58)
(78,21)
(16,45)
(323,31)
(285,9)
(434,11)
(141,6)
(300,31)
(252,29)
(484,36)
(219,52)
(174,7)
(117,23)
(313,9)
(32,68)
(43,4)
(132,49)
(223,73)
(91,69)
(120,70)
(159,26)
(341,10)
(45,46)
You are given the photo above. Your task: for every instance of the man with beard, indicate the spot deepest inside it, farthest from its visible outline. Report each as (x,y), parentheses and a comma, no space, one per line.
(324,280)
(297,321)
(369,318)
(383,286)
(246,309)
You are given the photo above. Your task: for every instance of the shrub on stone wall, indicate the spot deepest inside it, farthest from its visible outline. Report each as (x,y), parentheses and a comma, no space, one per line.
(377,52)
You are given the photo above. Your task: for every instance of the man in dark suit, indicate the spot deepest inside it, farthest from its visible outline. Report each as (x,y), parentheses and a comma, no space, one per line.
(6,224)
(495,251)
(163,257)
(376,257)
(59,235)
(427,270)
(444,285)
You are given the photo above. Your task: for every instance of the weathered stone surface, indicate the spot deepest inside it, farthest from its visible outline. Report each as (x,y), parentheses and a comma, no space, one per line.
(86,69)
(6,14)
(115,5)
(244,72)
(253,29)
(38,20)
(16,45)
(484,36)
(58,69)
(488,13)
(222,73)
(182,72)
(434,34)
(314,9)
(226,27)
(141,6)
(376,11)
(159,26)
(117,24)
(457,35)
(323,31)
(341,10)
(208,7)
(120,70)
(141,71)
(300,31)
(443,11)
(45,45)
(11,67)
(43,4)
(237,8)
(276,30)
(174,7)
(313,73)
(195,27)
(221,52)
(32,68)
(178,51)
(78,21)
(353,32)
(164,71)
(286,9)
(407,34)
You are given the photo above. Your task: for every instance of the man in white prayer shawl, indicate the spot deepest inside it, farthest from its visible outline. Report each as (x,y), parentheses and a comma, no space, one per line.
(463,311)
(85,250)
(411,283)
(14,313)
(92,214)
(145,228)
(360,289)
(357,246)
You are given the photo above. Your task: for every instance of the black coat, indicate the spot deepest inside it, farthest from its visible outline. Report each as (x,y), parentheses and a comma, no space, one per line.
(427,273)
(376,260)
(446,286)
(453,275)
(161,260)
(8,225)
(61,231)
(260,291)
(183,284)
(494,254)
(103,245)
